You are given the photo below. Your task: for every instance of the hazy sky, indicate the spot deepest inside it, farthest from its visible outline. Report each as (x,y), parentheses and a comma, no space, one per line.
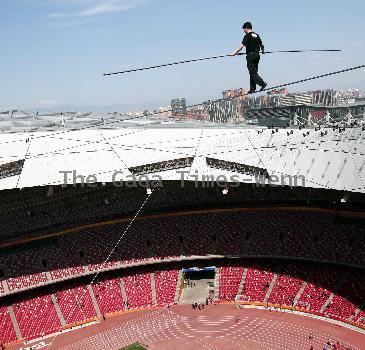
(55,51)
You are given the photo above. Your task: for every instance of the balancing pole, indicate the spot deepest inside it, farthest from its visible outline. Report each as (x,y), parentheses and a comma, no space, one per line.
(211,58)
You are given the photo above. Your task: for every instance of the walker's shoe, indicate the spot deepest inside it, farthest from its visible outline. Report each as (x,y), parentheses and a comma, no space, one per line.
(251,92)
(263,87)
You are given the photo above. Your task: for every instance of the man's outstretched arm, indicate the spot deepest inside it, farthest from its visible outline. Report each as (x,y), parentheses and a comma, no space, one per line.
(238,50)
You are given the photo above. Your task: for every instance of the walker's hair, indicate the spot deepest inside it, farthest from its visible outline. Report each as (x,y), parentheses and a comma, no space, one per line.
(247,25)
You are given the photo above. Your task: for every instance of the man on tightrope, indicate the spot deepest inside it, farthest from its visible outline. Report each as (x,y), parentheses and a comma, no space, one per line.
(253,44)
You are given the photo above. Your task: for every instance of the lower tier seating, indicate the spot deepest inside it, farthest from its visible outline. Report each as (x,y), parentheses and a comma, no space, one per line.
(138,290)
(229,280)
(319,288)
(307,286)
(165,282)
(108,294)
(285,290)
(360,318)
(7,332)
(75,304)
(36,317)
(340,307)
(257,283)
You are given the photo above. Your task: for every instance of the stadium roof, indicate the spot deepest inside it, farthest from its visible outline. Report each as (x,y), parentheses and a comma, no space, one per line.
(330,159)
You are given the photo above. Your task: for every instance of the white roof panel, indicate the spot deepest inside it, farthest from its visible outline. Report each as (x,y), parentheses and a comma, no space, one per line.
(334,161)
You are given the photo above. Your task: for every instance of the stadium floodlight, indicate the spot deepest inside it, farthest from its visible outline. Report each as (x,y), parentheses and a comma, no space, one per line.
(346,197)
(225,189)
(148,189)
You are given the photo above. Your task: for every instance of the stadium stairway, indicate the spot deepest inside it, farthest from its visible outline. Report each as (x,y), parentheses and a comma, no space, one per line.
(213,245)
(326,303)
(300,292)
(124,294)
(153,287)
(216,284)
(14,322)
(242,283)
(352,317)
(93,299)
(178,286)
(330,298)
(272,283)
(58,310)
(181,245)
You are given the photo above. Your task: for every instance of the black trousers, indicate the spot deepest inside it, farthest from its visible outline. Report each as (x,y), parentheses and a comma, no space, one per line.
(253,59)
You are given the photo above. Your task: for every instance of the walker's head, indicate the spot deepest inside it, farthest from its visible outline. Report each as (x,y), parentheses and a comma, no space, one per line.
(247,27)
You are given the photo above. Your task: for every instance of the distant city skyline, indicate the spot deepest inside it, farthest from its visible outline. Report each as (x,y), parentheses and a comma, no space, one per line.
(343,96)
(55,52)
(347,95)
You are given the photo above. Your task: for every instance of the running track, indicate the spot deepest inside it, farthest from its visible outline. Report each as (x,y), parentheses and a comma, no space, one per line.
(218,327)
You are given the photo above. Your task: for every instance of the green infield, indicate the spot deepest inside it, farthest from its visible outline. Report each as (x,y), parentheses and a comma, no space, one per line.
(135,346)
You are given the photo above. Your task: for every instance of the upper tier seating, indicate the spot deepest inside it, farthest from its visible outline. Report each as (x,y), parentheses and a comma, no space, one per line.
(294,233)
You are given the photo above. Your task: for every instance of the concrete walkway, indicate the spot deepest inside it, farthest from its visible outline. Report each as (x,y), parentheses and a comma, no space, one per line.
(196,294)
